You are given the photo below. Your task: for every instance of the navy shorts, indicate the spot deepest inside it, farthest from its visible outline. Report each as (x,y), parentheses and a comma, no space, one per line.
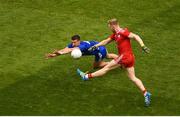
(101,54)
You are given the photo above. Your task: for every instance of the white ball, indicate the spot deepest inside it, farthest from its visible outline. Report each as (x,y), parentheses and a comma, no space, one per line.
(76,53)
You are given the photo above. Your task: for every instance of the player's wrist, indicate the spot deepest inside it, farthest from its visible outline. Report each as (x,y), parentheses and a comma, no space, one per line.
(142,46)
(145,49)
(96,46)
(92,48)
(58,53)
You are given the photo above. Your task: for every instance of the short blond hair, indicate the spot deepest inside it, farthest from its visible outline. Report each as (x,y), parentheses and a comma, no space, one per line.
(113,21)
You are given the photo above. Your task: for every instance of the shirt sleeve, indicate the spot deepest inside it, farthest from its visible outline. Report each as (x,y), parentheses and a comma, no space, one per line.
(70,45)
(112,36)
(125,33)
(82,47)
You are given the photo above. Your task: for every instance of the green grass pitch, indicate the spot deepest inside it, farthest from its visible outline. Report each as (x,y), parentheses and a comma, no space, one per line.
(31,85)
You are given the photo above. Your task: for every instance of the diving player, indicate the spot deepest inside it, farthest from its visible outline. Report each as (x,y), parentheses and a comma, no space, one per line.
(100,53)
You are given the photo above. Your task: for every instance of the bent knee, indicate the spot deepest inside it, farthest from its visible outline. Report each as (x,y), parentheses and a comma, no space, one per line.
(132,77)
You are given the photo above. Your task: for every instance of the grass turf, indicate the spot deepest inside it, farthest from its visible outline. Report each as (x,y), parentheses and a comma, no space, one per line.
(31,85)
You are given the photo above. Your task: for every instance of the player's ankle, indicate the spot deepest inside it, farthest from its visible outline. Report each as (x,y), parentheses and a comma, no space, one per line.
(144,92)
(88,76)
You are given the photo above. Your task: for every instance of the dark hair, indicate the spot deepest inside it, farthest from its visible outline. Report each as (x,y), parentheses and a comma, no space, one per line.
(75,37)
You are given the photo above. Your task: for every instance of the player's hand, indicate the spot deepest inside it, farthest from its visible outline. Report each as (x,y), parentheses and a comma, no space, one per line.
(146,49)
(50,55)
(92,48)
(56,52)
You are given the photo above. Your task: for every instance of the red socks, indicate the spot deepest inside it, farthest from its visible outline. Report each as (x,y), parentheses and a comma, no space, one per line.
(144,92)
(89,75)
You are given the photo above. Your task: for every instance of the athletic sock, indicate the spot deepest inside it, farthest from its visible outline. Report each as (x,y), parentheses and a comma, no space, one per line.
(88,76)
(145,92)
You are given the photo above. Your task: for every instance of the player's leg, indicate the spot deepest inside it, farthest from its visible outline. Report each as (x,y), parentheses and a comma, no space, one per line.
(99,64)
(131,75)
(111,56)
(111,65)
(139,84)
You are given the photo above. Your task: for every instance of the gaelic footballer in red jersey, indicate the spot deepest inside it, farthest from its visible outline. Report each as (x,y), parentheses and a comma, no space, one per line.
(126,58)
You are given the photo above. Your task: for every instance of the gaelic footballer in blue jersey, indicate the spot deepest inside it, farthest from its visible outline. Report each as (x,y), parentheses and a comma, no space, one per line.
(100,53)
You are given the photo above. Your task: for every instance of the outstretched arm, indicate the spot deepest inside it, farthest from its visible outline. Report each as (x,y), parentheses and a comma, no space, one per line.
(102,43)
(63,51)
(139,40)
(59,52)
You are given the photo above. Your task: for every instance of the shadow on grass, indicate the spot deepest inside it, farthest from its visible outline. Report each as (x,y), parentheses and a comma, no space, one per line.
(57,90)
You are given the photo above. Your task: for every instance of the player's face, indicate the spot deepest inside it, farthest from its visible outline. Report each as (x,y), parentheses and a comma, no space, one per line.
(75,43)
(111,27)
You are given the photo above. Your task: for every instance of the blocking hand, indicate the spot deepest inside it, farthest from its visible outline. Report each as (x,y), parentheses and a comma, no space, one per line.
(50,55)
(146,49)
(92,48)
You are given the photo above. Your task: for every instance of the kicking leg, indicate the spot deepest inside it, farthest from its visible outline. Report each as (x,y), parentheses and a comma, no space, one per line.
(111,56)
(100,64)
(111,65)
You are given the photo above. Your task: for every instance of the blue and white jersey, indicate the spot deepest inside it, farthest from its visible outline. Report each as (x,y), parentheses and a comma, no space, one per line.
(84,46)
(100,53)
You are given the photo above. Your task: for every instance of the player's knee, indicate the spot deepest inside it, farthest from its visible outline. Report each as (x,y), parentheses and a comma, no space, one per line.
(111,56)
(108,56)
(115,56)
(95,66)
(132,77)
